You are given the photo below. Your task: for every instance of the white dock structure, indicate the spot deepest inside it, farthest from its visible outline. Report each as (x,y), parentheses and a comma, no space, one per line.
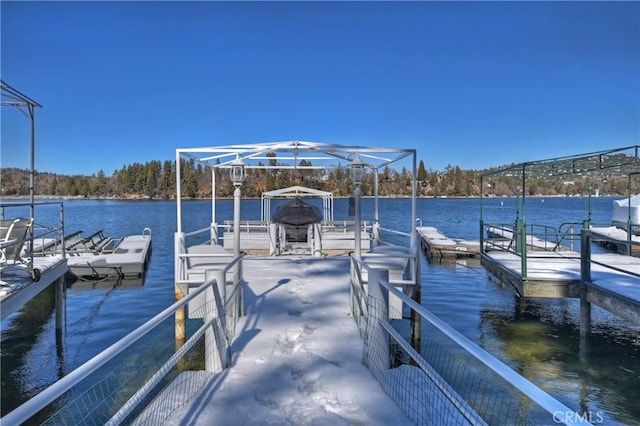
(297,358)
(127,258)
(311,339)
(439,246)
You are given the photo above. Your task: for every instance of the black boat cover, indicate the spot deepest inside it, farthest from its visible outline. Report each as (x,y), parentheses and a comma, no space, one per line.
(297,212)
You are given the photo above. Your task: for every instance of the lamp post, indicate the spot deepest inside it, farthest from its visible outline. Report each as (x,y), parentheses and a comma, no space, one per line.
(237,178)
(357,175)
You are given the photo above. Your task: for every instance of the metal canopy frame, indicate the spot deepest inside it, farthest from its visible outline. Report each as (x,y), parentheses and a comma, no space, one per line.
(618,161)
(294,192)
(12,97)
(290,155)
(622,162)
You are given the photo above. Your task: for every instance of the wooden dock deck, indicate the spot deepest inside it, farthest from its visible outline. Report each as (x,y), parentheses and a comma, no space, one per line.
(18,287)
(615,283)
(439,246)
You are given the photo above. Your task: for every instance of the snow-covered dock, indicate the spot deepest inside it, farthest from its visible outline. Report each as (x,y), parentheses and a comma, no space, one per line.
(439,246)
(614,284)
(617,239)
(17,285)
(297,358)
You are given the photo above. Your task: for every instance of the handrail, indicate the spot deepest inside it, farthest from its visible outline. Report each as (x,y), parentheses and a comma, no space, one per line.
(25,411)
(543,399)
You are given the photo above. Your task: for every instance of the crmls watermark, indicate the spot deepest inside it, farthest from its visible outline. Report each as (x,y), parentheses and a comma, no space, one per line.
(570,417)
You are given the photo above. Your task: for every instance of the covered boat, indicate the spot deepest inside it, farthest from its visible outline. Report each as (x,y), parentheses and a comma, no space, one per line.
(627,208)
(297,212)
(297,216)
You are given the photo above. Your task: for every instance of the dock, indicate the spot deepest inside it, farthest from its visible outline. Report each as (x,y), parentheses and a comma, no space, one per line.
(505,239)
(614,285)
(616,239)
(297,358)
(439,246)
(18,286)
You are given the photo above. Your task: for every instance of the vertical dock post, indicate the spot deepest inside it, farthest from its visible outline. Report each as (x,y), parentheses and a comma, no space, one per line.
(585,279)
(60,309)
(180,326)
(273,239)
(215,348)
(376,354)
(416,321)
(481,237)
(180,322)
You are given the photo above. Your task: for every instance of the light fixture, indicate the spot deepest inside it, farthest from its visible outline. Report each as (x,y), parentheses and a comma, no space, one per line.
(237,171)
(357,170)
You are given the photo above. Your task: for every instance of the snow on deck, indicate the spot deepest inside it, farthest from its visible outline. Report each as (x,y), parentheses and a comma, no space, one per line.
(297,355)
(566,266)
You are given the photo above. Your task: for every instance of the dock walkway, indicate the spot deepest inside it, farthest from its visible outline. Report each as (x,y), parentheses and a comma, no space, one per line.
(297,357)
(440,246)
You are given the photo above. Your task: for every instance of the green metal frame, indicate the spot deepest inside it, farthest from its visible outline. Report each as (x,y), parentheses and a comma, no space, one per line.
(612,162)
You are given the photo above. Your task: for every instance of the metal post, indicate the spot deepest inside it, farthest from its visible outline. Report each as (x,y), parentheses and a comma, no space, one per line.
(215,356)
(481,235)
(585,253)
(236,230)
(585,279)
(236,222)
(589,216)
(376,355)
(357,222)
(214,224)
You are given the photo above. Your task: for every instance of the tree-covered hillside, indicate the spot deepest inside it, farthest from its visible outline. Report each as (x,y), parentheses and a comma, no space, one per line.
(156,180)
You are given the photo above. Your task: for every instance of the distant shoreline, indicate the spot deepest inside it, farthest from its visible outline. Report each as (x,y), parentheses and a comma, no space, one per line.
(144,198)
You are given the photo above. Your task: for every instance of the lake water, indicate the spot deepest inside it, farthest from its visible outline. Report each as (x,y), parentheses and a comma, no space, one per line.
(538,338)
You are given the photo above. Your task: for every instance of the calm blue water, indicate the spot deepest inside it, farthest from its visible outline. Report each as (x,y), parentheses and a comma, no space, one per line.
(539,338)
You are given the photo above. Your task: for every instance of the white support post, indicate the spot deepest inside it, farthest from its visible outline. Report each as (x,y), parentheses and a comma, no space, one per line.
(357,226)
(317,240)
(215,341)
(377,351)
(273,239)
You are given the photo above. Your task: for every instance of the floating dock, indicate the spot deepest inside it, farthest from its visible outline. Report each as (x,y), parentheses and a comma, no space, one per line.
(616,239)
(615,283)
(439,246)
(17,286)
(129,258)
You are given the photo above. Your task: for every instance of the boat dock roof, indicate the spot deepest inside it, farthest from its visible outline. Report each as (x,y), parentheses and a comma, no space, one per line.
(297,358)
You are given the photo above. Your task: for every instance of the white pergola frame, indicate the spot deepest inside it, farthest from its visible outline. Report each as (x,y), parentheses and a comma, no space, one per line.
(289,155)
(295,192)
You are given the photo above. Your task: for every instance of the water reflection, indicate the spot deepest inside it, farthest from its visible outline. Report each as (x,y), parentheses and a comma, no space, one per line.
(23,333)
(540,339)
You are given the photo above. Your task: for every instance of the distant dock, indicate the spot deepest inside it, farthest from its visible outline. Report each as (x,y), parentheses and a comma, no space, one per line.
(439,246)
(616,239)
(614,285)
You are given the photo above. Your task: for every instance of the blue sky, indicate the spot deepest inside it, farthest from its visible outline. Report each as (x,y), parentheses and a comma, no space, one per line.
(471,84)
